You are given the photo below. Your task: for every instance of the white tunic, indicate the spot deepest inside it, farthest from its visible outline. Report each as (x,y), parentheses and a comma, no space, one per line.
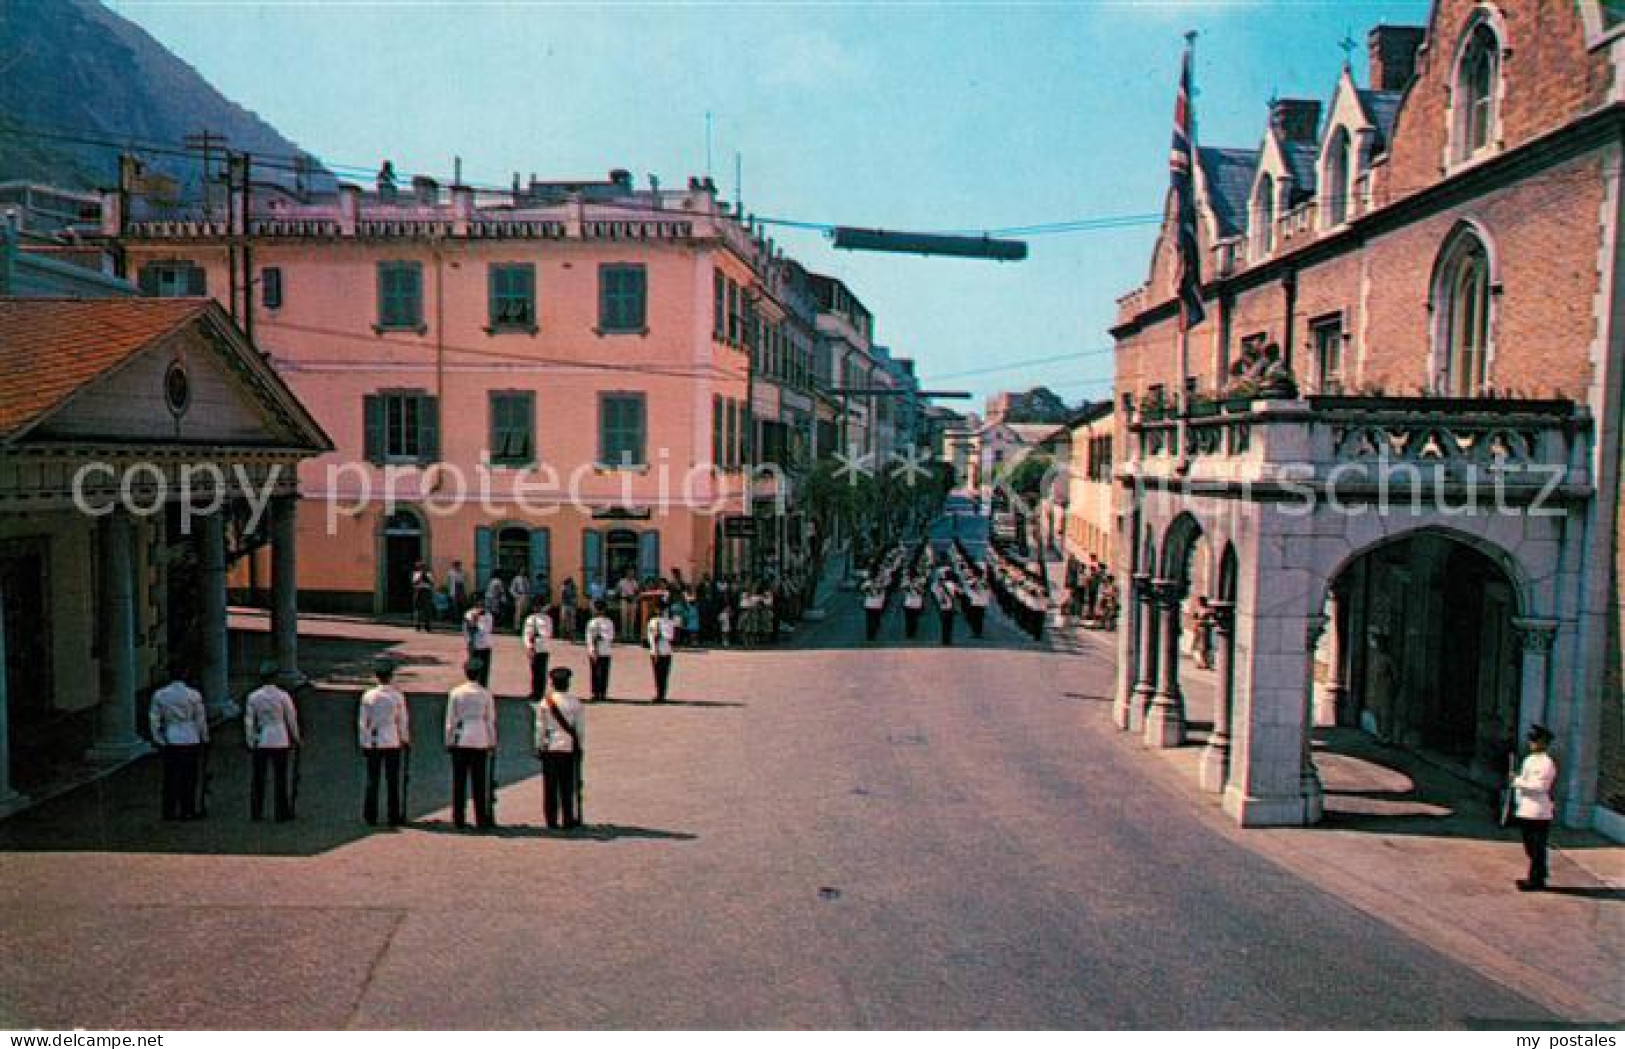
(269,720)
(471,717)
(662,631)
(550,737)
(384,723)
(1533,787)
(600,636)
(177,717)
(538,632)
(478,629)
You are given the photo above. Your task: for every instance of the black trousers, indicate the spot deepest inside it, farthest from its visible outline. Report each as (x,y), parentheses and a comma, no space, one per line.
(468,774)
(387,760)
(947,627)
(911,621)
(180,795)
(871,618)
(976,616)
(423,606)
(662,668)
(276,759)
(538,675)
(560,773)
(1536,836)
(598,667)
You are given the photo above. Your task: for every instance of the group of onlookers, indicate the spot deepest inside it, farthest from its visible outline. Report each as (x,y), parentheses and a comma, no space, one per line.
(1022,593)
(1091,591)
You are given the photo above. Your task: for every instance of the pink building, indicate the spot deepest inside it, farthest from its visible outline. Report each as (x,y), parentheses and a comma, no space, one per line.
(551,380)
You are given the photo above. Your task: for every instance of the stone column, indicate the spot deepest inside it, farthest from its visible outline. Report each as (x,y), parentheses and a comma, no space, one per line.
(1334,700)
(215,673)
(1216,755)
(1309,785)
(116,737)
(1128,655)
(1535,636)
(1165,719)
(1145,682)
(1265,785)
(285,591)
(10,800)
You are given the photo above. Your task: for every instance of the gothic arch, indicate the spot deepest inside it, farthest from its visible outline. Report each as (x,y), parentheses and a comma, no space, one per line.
(1468,237)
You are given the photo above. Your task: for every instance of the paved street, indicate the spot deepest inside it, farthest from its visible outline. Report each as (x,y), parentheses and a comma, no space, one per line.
(819,836)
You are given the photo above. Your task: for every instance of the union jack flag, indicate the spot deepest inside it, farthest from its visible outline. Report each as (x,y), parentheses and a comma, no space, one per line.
(1188,261)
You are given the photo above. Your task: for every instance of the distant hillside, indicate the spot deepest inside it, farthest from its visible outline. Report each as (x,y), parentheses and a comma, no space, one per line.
(75,66)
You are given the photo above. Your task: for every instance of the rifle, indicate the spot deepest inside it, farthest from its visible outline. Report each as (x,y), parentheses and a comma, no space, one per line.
(491,787)
(204,779)
(293,791)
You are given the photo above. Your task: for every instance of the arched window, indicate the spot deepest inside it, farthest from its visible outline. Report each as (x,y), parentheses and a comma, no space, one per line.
(1474,94)
(1336,182)
(1264,218)
(1462,301)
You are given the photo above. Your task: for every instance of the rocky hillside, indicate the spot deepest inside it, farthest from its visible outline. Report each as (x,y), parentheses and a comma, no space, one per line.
(76,69)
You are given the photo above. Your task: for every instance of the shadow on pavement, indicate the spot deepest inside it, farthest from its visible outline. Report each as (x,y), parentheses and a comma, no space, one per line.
(587,832)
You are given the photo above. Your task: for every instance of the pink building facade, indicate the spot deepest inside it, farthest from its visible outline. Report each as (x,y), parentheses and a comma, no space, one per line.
(552,381)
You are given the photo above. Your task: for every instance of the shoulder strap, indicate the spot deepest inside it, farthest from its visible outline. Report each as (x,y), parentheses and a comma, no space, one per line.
(564,723)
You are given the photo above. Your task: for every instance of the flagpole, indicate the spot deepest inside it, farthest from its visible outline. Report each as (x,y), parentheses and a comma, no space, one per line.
(1182,342)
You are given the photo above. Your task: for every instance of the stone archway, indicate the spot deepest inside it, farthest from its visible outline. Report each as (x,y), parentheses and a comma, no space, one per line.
(1165,710)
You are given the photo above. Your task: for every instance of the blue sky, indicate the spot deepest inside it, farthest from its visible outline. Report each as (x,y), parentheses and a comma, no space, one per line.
(905,116)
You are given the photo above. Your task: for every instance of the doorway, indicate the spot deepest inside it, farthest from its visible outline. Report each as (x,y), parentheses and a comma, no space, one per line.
(403,549)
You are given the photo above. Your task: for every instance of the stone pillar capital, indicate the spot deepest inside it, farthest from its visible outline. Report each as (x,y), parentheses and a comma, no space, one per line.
(1223,614)
(1535,635)
(1167,592)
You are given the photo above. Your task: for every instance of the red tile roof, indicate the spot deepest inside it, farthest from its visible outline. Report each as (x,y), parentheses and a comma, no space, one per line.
(51,348)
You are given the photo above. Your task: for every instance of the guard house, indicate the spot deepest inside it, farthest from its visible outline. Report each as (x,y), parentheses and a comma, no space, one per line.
(144,445)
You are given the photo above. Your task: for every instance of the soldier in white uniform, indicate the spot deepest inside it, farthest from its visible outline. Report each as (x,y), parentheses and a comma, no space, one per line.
(384,727)
(271,730)
(947,598)
(560,738)
(471,740)
(477,630)
(662,634)
(1533,806)
(538,636)
(180,727)
(600,648)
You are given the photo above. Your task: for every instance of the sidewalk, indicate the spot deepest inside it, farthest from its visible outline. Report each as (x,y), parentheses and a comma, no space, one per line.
(1418,848)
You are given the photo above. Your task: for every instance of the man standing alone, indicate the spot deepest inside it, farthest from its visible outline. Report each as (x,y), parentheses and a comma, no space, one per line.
(180,727)
(271,728)
(471,739)
(600,647)
(538,634)
(385,729)
(561,725)
(662,633)
(1533,787)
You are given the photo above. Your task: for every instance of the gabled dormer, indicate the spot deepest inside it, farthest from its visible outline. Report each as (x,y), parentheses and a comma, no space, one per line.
(1286,175)
(1360,123)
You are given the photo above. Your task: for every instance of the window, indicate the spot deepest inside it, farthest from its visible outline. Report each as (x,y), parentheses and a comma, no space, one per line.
(513,428)
(1473,100)
(620,429)
(717,445)
(513,297)
(401,426)
(173,279)
(1326,337)
(730,440)
(719,305)
(400,296)
(1463,301)
(735,319)
(621,293)
(1264,216)
(1336,183)
(271,287)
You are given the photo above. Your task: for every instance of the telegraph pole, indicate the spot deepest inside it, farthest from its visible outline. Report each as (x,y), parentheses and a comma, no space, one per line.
(205,142)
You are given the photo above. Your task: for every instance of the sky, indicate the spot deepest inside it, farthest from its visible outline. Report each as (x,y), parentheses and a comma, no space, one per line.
(920,116)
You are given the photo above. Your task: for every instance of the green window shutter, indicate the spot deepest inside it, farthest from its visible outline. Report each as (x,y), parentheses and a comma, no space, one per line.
(497,408)
(483,557)
(148,280)
(606,316)
(385,312)
(637,292)
(372,412)
(493,283)
(541,553)
(649,554)
(523,421)
(592,556)
(197,281)
(716,430)
(413,274)
(428,429)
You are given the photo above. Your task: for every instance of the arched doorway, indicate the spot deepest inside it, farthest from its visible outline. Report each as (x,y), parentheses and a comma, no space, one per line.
(403,540)
(620,554)
(513,553)
(1429,655)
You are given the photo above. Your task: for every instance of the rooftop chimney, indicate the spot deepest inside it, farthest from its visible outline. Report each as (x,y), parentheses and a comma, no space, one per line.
(386,181)
(622,178)
(1297,119)
(425,189)
(1393,51)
